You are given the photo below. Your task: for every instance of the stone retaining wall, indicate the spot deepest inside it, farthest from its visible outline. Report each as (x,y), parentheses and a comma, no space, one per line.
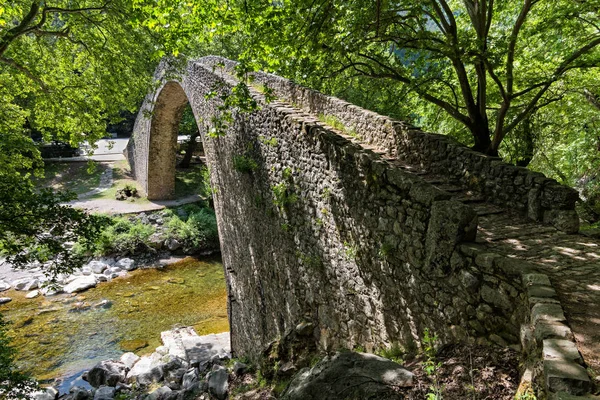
(320,233)
(531,193)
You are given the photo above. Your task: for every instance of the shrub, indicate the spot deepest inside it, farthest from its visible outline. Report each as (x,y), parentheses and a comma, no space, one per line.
(122,236)
(197,230)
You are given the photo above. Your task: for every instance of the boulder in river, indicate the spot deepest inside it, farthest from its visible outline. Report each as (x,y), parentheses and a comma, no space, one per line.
(4,286)
(350,375)
(106,373)
(33,294)
(129,359)
(80,284)
(26,284)
(48,393)
(97,267)
(4,300)
(126,264)
(78,393)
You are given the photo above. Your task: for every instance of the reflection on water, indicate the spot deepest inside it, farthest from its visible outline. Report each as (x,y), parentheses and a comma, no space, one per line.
(63,335)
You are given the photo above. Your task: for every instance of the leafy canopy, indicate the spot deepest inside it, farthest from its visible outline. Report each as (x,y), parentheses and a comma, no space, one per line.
(67,68)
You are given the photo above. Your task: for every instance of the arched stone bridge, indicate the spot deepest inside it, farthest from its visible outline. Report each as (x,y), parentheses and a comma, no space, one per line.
(369,231)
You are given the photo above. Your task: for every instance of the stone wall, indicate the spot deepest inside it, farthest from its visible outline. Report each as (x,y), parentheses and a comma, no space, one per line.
(531,193)
(320,235)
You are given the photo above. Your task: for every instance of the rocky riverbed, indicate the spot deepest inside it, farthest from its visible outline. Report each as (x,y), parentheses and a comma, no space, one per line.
(62,334)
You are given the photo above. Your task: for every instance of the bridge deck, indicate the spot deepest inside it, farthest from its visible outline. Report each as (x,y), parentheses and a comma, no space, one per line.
(571,261)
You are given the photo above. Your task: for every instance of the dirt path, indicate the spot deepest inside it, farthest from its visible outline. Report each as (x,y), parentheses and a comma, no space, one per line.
(111,206)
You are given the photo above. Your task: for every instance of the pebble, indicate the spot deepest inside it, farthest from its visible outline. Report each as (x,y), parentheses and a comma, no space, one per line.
(4,300)
(33,294)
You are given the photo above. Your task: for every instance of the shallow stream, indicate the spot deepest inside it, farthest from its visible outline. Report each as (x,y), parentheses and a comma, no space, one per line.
(61,336)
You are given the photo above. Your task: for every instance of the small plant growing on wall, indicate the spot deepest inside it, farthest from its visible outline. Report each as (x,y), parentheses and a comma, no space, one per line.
(244,164)
(283,196)
(269,142)
(350,251)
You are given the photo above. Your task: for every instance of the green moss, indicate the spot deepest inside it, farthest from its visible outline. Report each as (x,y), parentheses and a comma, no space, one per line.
(133,345)
(337,124)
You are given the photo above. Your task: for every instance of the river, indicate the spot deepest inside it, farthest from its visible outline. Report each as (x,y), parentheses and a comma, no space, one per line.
(63,335)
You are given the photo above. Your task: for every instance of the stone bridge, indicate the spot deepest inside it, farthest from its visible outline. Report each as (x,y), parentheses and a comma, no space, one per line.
(345,228)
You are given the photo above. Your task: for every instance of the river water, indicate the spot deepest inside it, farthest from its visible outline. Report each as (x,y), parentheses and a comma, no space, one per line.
(61,336)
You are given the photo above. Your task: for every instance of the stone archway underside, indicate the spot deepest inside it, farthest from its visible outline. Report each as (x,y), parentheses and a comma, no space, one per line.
(329,234)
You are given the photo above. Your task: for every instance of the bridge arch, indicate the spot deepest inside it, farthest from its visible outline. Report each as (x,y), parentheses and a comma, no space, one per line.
(325,237)
(162,145)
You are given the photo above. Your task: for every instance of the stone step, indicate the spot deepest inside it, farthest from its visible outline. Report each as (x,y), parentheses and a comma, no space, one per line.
(186,344)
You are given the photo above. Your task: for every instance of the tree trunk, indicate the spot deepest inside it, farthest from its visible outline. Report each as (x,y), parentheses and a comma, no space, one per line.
(189,152)
(483,142)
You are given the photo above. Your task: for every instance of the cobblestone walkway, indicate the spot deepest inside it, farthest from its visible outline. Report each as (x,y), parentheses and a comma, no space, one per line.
(571,261)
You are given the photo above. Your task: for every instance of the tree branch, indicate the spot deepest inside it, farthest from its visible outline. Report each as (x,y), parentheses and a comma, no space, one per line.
(25,71)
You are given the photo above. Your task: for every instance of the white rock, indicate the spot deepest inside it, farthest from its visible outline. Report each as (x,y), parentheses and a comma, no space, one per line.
(71,278)
(4,286)
(162,350)
(101,278)
(48,393)
(129,359)
(4,300)
(33,294)
(142,366)
(97,266)
(51,291)
(26,284)
(86,271)
(126,263)
(80,284)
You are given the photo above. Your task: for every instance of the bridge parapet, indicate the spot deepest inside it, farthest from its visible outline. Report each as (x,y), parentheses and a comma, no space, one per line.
(516,188)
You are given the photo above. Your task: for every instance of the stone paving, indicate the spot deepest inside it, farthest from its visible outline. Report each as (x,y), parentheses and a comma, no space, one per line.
(571,261)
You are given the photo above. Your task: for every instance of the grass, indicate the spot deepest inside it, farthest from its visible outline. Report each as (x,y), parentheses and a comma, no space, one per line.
(121,178)
(193,180)
(77,177)
(337,124)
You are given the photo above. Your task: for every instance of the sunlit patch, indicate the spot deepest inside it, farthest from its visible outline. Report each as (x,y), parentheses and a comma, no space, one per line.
(567,251)
(594,287)
(517,244)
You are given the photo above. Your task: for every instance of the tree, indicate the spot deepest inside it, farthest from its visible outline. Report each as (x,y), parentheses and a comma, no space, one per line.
(67,68)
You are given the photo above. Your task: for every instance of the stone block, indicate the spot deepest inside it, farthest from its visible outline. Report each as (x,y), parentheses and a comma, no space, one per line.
(552,330)
(547,312)
(541,291)
(565,376)
(564,220)
(536,279)
(561,349)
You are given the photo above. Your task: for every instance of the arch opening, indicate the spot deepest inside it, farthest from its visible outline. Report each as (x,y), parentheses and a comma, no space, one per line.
(162,146)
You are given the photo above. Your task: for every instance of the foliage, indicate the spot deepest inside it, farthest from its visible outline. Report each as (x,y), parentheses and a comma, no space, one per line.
(122,236)
(13,384)
(283,196)
(66,70)
(197,230)
(244,163)
(35,225)
(432,366)
(395,353)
